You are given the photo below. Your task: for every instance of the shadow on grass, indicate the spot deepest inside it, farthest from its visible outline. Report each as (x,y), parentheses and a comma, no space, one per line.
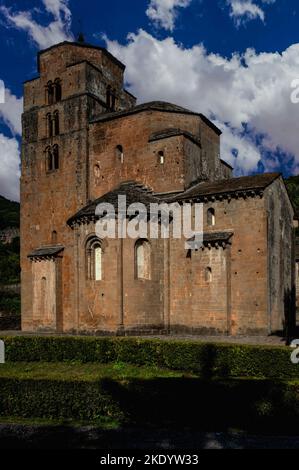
(163,412)
(254,406)
(207,405)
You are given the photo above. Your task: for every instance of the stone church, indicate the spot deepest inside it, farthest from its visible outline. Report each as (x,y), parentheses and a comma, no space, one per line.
(86,141)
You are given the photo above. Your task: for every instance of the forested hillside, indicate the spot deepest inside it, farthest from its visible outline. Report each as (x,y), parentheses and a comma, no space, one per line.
(9,214)
(293,189)
(9,265)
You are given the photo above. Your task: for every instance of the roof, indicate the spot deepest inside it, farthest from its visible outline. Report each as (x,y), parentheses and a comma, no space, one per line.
(161,106)
(226,164)
(134,192)
(82,44)
(46,252)
(211,239)
(173,132)
(138,193)
(245,183)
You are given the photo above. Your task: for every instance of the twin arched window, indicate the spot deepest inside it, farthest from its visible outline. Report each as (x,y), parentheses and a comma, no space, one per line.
(94,271)
(53,126)
(110,98)
(54,91)
(52,158)
(94,259)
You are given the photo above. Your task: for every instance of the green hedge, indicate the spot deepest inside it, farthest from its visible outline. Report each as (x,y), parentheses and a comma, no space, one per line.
(209,360)
(252,405)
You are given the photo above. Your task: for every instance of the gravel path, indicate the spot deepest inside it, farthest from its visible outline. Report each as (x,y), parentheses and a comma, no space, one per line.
(41,437)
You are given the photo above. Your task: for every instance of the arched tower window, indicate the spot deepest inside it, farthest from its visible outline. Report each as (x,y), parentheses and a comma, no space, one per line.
(49,125)
(113,100)
(49,159)
(50,93)
(52,158)
(119,152)
(55,157)
(143,259)
(211,219)
(108,97)
(56,123)
(208,274)
(94,254)
(58,90)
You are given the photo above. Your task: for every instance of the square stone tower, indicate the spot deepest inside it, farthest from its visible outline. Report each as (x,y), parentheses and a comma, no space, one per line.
(76,81)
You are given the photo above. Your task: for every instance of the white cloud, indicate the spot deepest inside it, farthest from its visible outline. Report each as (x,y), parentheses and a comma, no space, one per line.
(58,30)
(245,10)
(9,168)
(164,12)
(238,150)
(252,91)
(10,114)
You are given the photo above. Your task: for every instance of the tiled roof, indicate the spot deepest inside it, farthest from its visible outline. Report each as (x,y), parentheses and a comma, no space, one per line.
(137,193)
(46,251)
(212,238)
(133,191)
(245,183)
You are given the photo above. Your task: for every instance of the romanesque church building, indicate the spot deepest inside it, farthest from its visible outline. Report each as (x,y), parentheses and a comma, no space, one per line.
(86,141)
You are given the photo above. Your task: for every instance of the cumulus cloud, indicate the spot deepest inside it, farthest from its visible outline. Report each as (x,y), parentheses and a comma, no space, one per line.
(58,30)
(245,10)
(9,168)
(10,115)
(164,12)
(247,95)
(11,112)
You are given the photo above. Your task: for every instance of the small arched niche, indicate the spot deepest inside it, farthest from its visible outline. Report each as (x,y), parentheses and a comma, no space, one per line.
(54,238)
(119,153)
(143,259)
(208,274)
(211,217)
(161,157)
(97,170)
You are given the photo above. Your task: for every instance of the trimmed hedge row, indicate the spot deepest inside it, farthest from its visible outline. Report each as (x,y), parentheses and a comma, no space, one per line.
(207,359)
(252,405)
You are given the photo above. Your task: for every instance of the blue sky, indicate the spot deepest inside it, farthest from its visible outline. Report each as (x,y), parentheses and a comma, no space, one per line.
(234,60)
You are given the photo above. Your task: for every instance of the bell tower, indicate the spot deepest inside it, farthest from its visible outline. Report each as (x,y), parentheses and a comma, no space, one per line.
(76,82)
